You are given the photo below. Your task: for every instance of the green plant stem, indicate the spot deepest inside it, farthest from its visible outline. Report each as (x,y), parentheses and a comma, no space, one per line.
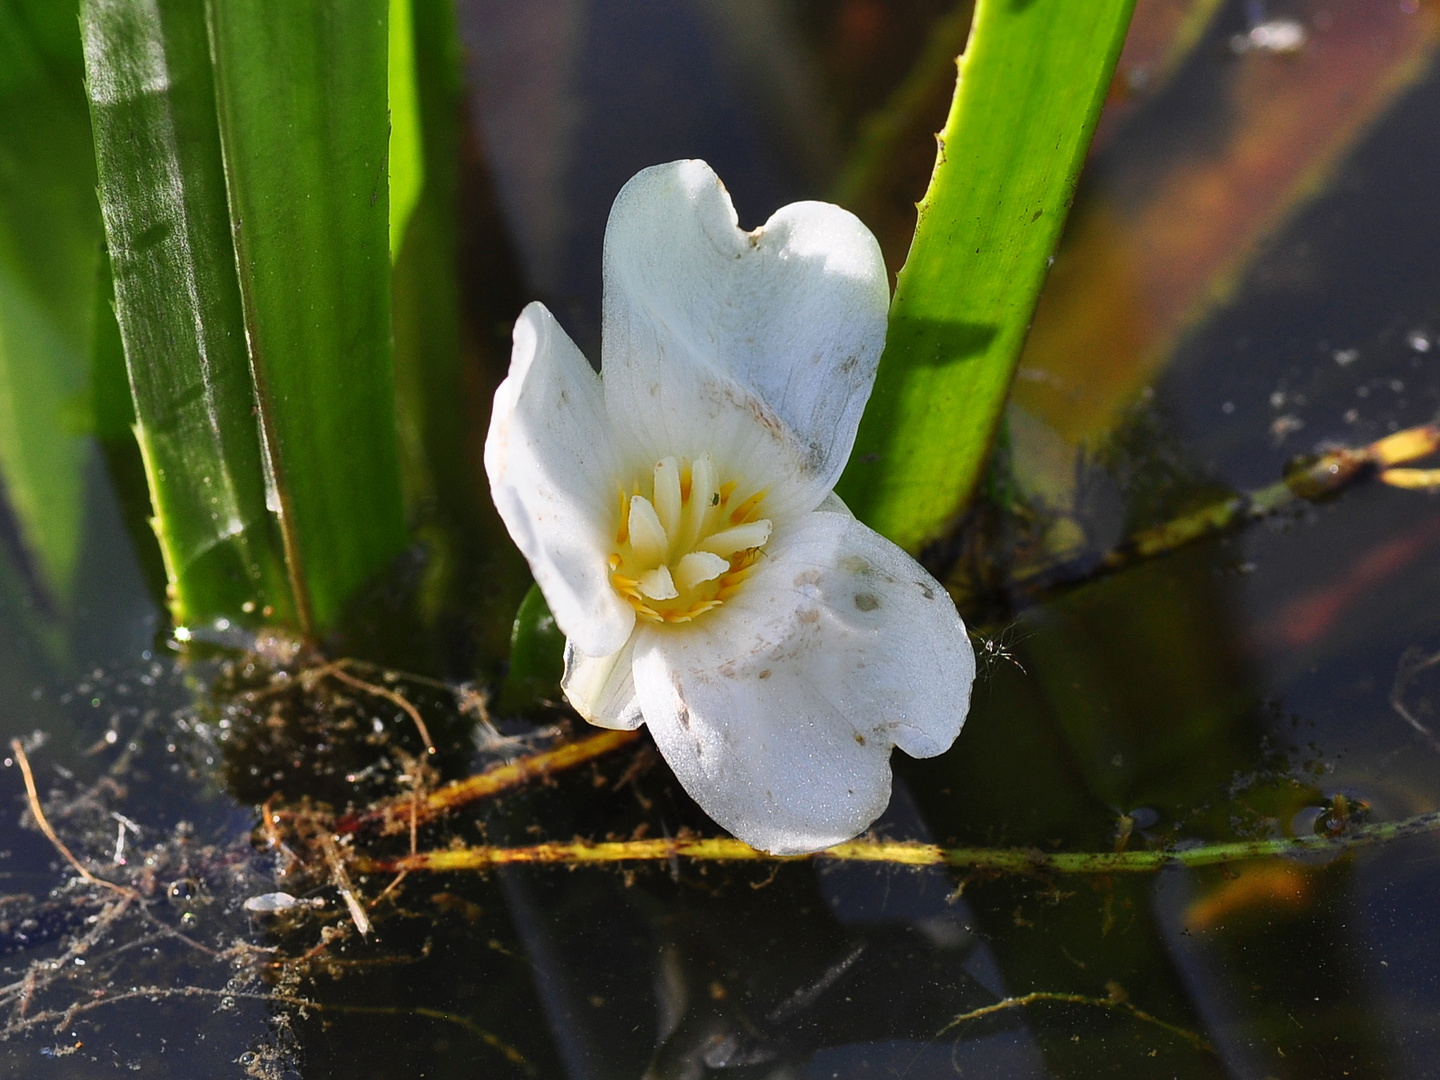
(1324,478)
(908,853)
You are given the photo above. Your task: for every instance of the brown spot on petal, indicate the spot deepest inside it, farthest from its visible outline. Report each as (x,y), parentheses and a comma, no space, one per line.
(866,601)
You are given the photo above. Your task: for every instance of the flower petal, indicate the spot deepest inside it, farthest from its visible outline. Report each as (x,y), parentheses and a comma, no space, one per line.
(777,711)
(758,347)
(601,687)
(552,467)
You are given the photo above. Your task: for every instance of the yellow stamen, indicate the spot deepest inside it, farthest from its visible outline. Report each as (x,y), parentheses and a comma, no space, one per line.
(746,508)
(679,550)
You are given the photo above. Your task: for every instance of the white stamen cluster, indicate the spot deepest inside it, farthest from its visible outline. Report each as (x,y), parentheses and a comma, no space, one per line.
(685,549)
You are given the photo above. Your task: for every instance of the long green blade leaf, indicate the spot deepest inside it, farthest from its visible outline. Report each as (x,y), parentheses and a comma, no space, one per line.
(162,188)
(1032,80)
(302,91)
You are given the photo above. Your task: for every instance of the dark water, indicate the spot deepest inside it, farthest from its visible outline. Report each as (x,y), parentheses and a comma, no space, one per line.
(1237,687)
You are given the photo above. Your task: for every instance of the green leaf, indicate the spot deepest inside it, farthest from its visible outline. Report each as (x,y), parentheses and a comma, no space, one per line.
(474,578)
(162,189)
(424,287)
(1031,83)
(537,656)
(302,94)
(407,155)
(113,409)
(49,249)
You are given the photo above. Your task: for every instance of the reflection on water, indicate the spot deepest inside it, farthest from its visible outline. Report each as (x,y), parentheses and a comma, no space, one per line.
(1243,686)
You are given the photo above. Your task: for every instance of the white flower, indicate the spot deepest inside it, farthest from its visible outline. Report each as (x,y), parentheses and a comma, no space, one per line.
(677,513)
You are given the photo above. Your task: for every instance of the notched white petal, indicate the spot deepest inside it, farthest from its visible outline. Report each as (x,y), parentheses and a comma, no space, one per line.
(767,757)
(760,347)
(602,688)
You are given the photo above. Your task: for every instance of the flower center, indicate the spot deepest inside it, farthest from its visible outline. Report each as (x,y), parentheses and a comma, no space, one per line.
(685,547)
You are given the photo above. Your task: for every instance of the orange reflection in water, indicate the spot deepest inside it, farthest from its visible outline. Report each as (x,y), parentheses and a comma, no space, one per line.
(1138,266)
(1255,889)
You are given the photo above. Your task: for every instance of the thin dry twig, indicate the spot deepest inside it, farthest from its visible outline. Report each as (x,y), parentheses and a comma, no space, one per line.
(408,812)
(38,813)
(1115,1000)
(1412,663)
(342,882)
(337,671)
